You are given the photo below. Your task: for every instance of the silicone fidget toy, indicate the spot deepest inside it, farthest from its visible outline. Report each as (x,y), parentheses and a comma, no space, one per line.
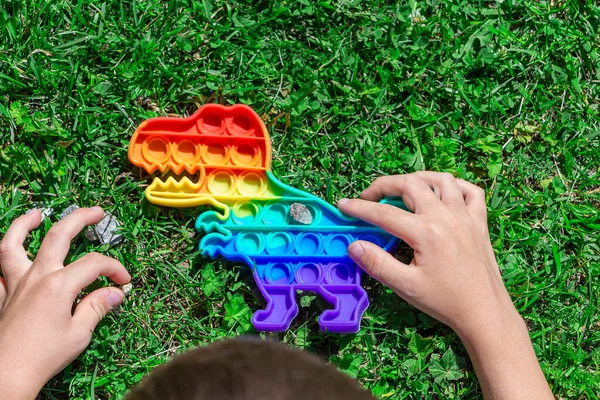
(230,150)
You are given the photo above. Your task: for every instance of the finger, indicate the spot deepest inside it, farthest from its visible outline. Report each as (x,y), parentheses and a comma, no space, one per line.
(394,220)
(55,247)
(475,200)
(445,186)
(13,258)
(414,192)
(474,197)
(88,268)
(95,306)
(2,293)
(382,266)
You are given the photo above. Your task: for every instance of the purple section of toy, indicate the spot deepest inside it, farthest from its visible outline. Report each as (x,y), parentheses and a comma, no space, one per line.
(349,301)
(287,261)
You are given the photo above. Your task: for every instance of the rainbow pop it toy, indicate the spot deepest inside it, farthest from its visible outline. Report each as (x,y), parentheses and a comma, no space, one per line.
(229,148)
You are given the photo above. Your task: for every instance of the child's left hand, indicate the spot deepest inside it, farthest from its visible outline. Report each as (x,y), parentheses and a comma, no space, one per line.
(39,331)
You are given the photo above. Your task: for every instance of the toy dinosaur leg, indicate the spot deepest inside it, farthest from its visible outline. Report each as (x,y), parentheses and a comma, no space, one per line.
(281,308)
(348,297)
(350,303)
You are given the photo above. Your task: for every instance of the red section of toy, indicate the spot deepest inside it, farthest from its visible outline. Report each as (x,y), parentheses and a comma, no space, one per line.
(214,137)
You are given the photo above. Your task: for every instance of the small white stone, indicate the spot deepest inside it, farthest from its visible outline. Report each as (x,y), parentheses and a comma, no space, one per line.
(126,288)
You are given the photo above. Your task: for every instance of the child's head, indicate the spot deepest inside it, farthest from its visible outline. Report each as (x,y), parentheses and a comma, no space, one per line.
(247,369)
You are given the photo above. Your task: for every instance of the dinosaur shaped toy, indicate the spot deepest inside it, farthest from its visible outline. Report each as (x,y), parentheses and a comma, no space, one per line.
(290,239)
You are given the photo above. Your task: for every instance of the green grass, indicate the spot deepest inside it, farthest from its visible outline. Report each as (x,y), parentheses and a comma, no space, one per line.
(504,94)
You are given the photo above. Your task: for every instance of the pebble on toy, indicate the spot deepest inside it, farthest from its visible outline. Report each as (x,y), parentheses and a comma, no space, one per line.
(260,221)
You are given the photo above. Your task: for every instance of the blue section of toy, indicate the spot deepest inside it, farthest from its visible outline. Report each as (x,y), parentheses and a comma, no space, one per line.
(286,255)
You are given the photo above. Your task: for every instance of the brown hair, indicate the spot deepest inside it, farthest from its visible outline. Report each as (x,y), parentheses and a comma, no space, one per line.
(247,369)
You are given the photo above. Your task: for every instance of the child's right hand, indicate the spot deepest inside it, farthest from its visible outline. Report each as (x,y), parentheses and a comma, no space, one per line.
(454,276)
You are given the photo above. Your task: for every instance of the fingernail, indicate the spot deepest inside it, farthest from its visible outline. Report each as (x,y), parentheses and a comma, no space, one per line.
(31,211)
(115,298)
(96,208)
(355,251)
(343,201)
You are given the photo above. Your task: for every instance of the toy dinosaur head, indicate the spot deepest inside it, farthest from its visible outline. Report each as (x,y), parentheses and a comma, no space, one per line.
(228,148)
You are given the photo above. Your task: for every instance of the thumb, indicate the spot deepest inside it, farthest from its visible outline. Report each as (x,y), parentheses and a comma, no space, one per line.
(382,266)
(2,293)
(95,306)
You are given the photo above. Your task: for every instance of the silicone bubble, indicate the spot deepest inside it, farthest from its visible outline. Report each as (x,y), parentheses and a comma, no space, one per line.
(309,244)
(309,273)
(245,213)
(339,273)
(246,154)
(250,243)
(255,218)
(215,152)
(241,124)
(156,150)
(221,182)
(337,245)
(314,211)
(211,122)
(186,152)
(278,273)
(275,214)
(280,243)
(373,238)
(251,184)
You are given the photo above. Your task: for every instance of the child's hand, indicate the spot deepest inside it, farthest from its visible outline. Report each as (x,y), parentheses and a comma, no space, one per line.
(39,333)
(453,276)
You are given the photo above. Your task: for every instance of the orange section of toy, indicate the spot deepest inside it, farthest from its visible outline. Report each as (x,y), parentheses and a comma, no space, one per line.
(214,137)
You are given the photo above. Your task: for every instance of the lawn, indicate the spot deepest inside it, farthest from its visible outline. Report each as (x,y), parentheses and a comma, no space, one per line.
(504,94)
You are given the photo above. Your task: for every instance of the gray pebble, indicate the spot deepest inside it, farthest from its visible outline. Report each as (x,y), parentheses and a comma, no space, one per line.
(68,210)
(301,214)
(103,231)
(106,228)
